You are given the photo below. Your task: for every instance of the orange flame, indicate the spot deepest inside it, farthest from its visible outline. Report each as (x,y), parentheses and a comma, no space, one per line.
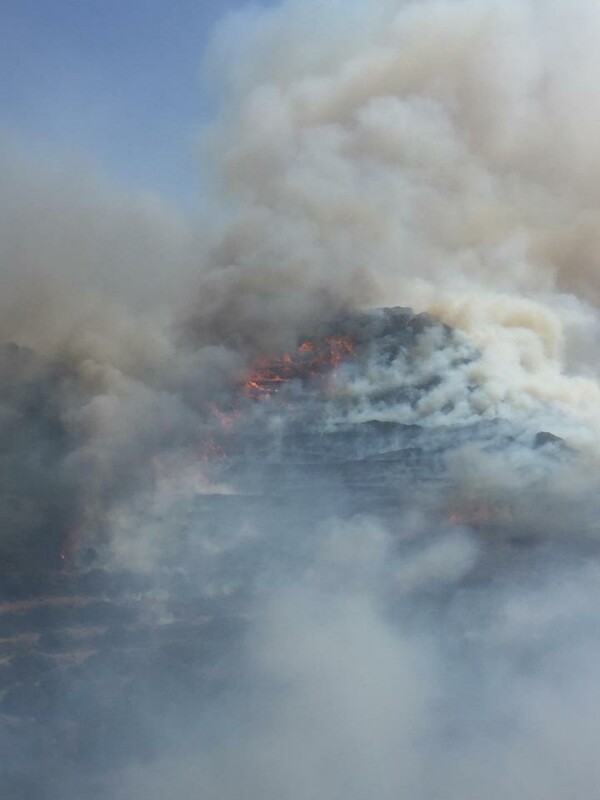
(306,347)
(226,420)
(311,360)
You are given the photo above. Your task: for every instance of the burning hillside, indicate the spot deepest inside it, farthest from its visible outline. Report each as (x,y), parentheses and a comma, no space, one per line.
(351,435)
(311,360)
(264,533)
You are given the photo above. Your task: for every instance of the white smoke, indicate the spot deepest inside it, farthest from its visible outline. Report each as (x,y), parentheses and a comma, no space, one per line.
(442,154)
(435,154)
(381,673)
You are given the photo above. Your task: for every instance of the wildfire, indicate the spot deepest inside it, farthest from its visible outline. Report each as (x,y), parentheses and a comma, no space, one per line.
(481,515)
(226,420)
(310,360)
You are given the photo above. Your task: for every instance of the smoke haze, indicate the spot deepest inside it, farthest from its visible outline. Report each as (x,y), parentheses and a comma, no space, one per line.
(378,632)
(441,155)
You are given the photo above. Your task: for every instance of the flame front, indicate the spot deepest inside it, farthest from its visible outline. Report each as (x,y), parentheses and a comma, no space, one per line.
(310,360)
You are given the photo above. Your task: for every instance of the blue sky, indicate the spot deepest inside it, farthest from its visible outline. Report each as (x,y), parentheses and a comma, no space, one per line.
(117,81)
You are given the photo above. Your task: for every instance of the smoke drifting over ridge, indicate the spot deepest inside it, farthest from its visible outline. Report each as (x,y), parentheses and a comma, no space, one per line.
(441,155)
(400,634)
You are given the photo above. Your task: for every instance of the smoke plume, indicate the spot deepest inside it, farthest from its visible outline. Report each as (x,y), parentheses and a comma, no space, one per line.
(383,586)
(434,154)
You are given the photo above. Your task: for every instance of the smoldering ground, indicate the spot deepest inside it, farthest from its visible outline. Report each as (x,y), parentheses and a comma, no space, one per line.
(340,636)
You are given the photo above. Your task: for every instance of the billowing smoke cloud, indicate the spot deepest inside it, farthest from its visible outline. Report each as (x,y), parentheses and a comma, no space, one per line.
(93,280)
(435,154)
(385,586)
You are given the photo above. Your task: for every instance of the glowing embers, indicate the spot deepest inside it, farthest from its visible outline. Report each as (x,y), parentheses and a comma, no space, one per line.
(310,361)
(480,515)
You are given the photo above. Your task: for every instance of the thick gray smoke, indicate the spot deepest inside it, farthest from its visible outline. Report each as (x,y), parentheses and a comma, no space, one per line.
(435,154)
(381,584)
